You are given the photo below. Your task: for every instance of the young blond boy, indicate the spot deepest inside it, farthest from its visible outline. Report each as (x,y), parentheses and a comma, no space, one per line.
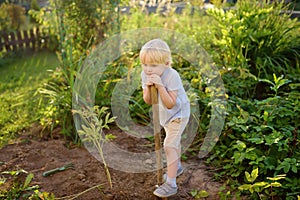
(174,106)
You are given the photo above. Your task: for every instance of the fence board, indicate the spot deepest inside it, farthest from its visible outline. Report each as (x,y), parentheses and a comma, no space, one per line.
(6,41)
(32,39)
(20,40)
(13,41)
(26,39)
(37,32)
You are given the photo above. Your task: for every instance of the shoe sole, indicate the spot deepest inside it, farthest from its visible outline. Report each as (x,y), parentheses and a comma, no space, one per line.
(164,196)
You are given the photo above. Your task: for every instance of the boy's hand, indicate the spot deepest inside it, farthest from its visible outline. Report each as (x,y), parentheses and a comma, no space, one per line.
(154,79)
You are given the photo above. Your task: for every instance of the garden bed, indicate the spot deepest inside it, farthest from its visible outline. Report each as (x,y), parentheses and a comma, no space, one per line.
(36,154)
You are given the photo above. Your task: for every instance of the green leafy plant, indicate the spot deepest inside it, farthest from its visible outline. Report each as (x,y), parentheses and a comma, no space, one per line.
(258,187)
(93,121)
(278,82)
(16,189)
(199,194)
(263,134)
(55,105)
(289,164)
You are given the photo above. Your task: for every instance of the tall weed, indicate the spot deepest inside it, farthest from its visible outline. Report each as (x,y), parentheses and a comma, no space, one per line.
(76,26)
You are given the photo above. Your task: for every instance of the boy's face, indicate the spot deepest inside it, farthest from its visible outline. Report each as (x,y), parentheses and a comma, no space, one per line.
(150,69)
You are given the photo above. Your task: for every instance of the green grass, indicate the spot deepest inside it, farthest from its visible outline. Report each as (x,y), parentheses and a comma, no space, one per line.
(20,77)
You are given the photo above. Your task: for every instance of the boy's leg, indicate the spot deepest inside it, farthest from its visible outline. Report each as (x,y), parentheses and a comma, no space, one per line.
(169,188)
(172,149)
(179,155)
(172,165)
(172,145)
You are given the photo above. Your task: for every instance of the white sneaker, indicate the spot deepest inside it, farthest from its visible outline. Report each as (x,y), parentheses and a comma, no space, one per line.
(165,190)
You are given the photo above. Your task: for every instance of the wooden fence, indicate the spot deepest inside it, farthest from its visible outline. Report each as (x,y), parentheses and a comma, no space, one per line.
(32,39)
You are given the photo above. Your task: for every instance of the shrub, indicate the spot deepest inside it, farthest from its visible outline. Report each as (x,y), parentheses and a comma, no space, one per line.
(12,17)
(255,40)
(262,134)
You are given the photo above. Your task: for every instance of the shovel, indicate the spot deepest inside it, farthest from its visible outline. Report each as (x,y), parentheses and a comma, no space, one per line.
(157,135)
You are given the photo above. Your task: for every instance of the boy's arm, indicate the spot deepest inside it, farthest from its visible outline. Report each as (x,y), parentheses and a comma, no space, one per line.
(168,98)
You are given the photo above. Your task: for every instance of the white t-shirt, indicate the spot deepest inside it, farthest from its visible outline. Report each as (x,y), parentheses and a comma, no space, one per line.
(171,81)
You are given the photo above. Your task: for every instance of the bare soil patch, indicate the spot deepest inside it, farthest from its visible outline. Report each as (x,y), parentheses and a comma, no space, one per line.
(37,154)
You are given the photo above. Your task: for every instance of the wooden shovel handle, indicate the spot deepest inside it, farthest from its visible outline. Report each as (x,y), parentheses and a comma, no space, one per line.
(157,134)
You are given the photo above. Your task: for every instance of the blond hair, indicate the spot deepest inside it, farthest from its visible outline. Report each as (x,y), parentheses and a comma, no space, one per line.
(155,51)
